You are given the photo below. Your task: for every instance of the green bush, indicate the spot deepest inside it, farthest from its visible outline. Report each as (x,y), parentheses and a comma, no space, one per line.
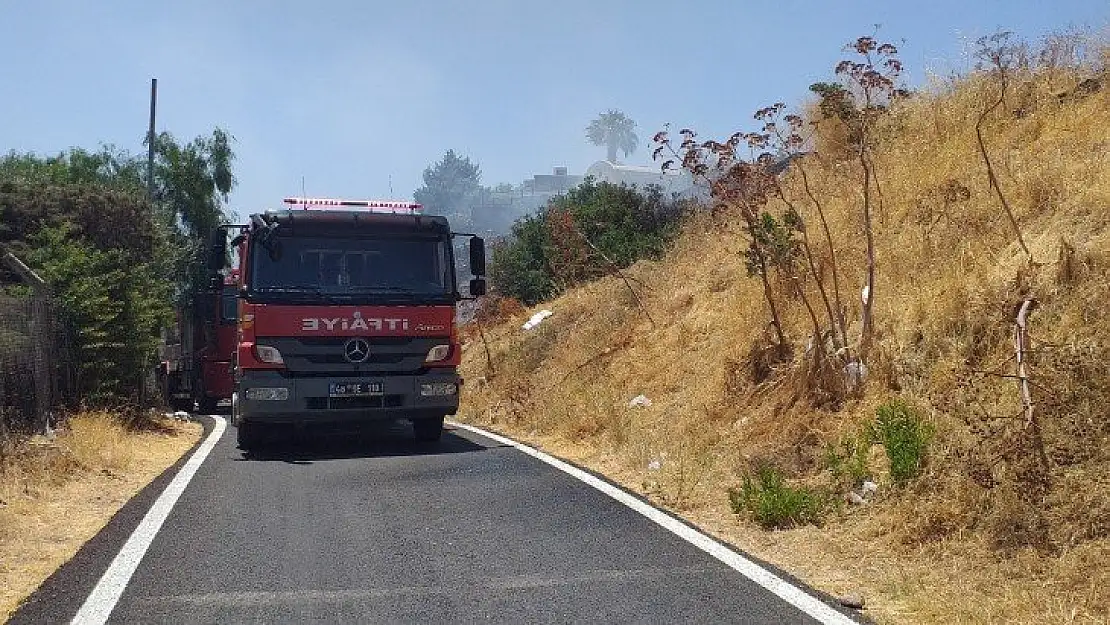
(582,236)
(771,503)
(847,459)
(116,304)
(625,223)
(905,437)
(518,265)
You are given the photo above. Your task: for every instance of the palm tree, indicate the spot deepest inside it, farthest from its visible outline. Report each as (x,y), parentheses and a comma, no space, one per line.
(615,131)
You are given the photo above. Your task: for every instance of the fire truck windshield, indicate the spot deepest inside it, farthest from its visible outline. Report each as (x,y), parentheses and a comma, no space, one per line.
(364,269)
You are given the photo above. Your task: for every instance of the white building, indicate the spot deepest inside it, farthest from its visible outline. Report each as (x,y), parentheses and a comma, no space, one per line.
(674,181)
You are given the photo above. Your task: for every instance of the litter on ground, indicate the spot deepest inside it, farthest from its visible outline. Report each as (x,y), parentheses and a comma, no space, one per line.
(537,319)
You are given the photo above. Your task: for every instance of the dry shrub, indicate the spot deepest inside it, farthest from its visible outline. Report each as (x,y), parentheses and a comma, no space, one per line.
(98,439)
(495,309)
(764,357)
(88,442)
(592,412)
(1075,403)
(1016,519)
(832,138)
(533,349)
(36,465)
(1079,505)
(820,379)
(685,455)
(941,513)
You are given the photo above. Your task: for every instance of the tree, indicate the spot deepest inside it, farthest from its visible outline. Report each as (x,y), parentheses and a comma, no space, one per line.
(519,264)
(109,167)
(595,229)
(997,50)
(449,185)
(114,258)
(192,182)
(615,131)
(102,252)
(116,303)
(735,185)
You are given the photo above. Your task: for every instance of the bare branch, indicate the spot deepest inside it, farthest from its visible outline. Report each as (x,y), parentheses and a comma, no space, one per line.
(998,55)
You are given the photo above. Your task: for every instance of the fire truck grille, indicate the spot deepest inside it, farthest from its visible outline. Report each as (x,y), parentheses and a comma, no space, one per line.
(347,403)
(317,356)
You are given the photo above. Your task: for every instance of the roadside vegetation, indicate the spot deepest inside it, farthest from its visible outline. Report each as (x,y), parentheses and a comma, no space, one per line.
(57,492)
(595,230)
(883,336)
(115,262)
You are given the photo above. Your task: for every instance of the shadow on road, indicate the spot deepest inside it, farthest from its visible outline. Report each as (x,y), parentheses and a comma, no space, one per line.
(376,441)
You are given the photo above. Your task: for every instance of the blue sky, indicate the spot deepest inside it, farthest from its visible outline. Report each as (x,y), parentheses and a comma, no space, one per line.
(350,94)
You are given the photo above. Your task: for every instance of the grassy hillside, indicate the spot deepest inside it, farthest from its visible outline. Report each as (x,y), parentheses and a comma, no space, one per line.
(986,528)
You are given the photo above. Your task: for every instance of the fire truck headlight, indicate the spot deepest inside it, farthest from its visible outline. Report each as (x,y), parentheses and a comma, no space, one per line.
(267,394)
(438,389)
(438,353)
(268,354)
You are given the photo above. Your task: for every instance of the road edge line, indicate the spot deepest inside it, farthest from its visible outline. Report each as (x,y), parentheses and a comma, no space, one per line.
(780,587)
(105,595)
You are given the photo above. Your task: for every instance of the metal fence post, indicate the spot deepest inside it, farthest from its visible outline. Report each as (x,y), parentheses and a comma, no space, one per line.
(40,333)
(41,339)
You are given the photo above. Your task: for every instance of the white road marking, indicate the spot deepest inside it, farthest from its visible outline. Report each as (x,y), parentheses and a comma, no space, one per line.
(786,591)
(305,597)
(103,598)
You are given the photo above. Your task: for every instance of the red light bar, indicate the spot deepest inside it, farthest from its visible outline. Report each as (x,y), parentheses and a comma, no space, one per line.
(383,206)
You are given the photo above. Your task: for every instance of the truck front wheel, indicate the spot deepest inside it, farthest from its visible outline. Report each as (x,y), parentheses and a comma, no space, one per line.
(428,430)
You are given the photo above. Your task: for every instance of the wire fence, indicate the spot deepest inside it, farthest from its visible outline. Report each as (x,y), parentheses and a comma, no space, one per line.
(37,371)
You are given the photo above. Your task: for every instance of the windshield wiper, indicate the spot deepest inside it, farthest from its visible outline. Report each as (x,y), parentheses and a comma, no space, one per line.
(303,292)
(287,289)
(380,292)
(400,290)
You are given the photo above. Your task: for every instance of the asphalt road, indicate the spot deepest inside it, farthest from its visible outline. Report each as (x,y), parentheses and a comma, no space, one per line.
(380,529)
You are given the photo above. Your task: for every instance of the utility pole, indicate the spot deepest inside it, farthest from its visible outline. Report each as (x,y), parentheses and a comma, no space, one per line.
(143,373)
(150,141)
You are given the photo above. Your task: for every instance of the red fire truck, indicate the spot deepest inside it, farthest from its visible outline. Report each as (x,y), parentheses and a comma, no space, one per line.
(195,364)
(346,315)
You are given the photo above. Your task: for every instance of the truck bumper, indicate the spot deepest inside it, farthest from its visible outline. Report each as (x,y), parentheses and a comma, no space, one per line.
(308,401)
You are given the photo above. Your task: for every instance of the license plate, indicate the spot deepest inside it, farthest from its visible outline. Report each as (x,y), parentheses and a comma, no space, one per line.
(355,389)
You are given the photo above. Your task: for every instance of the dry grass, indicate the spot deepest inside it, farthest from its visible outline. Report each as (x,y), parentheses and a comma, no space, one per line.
(945,549)
(57,494)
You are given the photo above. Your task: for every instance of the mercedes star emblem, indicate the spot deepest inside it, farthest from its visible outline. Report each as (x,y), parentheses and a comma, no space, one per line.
(356,350)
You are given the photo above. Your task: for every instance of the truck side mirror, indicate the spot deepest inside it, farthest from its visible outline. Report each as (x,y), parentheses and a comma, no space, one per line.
(477,287)
(217,250)
(215,282)
(477,256)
